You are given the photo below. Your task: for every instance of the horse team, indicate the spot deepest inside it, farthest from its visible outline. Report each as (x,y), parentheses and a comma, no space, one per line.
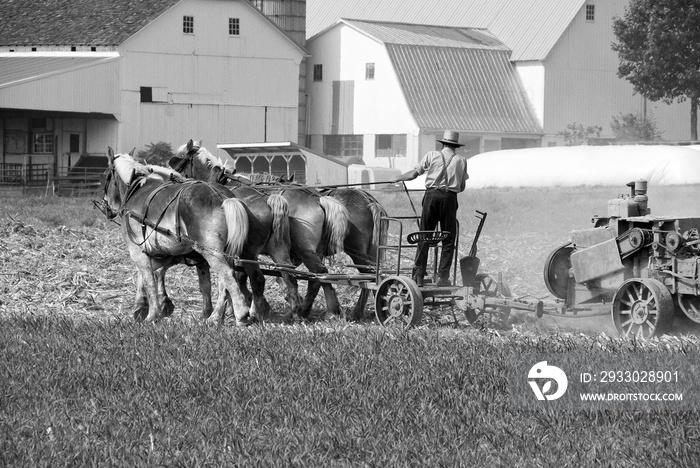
(199,214)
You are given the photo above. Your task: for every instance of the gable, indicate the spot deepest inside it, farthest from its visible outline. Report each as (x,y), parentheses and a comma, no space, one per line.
(467,89)
(529,28)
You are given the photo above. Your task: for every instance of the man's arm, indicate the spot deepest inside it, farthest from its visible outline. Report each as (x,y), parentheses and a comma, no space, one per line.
(410,175)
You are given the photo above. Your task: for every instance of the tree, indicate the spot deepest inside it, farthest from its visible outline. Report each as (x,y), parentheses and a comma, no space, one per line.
(576,134)
(635,127)
(156,153)
(659,51)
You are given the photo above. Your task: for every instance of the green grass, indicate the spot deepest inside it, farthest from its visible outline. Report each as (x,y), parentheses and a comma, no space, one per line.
(118,394)
(81,384)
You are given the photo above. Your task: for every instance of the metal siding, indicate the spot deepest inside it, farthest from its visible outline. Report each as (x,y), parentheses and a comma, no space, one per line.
(466,89)
(420,34)
(88,89)
(529,28)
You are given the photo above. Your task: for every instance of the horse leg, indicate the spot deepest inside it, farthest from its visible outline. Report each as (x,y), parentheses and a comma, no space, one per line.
(358,311)
(242,279)
(260,307)
(228,289)
(140,310)
(291,294)
(288,284)
(168,306)
(147,267)
(204,276)
(315,265)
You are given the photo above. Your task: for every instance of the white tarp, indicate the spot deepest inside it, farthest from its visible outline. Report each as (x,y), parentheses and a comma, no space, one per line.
(585,165)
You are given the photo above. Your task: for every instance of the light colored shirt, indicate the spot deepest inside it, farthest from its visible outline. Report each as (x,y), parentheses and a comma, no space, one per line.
(455,177)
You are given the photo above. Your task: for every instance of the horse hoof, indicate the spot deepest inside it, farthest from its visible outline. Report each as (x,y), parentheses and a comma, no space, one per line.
(304,313)
(140,314)
(246,322)
(168,307)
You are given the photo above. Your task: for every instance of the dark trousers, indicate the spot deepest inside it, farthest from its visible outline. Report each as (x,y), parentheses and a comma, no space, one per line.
(439,206)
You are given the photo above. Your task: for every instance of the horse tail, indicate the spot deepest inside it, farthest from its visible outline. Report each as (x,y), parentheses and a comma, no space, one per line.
(237,224)
(379,233)
(280,216)
(335,225)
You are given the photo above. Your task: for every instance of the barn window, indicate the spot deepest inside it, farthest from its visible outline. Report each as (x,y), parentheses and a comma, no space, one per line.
(74,143)
(369,71)
(590,13)
(389,146)
(146,94)
(42,143)
(188,24)
(318,72)
(234,26)
(343,145)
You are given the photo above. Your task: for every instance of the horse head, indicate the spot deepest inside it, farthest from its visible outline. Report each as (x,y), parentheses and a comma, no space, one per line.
(122,171)
(184,159)
(195,161)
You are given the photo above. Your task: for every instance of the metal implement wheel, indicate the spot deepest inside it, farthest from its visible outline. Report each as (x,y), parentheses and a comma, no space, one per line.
(690,305)
(398,303)
(556,271)
(490,287)
(643,308)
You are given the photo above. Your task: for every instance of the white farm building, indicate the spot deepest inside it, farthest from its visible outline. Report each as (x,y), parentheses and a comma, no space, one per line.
(388,78)
(79,75)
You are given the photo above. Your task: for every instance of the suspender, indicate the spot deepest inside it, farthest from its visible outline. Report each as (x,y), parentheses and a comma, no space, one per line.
(443,172)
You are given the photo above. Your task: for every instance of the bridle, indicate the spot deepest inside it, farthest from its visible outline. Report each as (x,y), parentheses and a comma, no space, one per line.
(103,205)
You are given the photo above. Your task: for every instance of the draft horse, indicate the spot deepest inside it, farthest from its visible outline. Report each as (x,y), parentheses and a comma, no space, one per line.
(317,224)
(365,229)
(165,222)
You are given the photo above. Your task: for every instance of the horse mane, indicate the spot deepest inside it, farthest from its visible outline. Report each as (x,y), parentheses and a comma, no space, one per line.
(127,167)
(166,173)
(129,170)
(204,156)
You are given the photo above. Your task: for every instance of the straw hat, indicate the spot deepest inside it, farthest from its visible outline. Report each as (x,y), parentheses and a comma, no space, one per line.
(450,138)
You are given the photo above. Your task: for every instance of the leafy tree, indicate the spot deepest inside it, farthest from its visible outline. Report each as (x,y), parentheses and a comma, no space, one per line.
(156,153)
(576,134)
(635,127)
(659,51)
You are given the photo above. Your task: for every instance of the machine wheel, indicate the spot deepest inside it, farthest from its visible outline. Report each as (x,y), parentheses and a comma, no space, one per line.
(490,287)
(643,308)
(556,271)
(398,303)
(690,305)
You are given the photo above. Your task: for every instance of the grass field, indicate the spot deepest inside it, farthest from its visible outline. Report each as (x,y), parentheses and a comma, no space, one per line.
(81,384)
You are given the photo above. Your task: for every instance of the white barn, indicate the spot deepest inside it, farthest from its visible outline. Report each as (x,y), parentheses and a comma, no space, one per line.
(77,76)
(560,49)
(385,91)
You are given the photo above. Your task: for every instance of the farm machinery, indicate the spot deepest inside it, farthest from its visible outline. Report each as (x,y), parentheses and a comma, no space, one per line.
(642,268)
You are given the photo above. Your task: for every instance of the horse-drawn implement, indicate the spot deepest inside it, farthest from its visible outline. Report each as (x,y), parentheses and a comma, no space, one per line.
(640,268)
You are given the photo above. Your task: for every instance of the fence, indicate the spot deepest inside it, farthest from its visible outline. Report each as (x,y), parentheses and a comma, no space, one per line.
(38,178)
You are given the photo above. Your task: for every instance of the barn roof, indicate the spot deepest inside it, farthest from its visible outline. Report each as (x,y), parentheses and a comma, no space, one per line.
(529,28)
(76,22)
(16,68)
(459,78)
(84,22)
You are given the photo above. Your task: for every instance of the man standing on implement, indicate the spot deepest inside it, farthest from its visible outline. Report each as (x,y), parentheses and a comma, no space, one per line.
(446,176)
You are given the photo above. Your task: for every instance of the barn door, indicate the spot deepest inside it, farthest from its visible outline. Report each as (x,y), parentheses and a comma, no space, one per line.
(70,151)
(343,107)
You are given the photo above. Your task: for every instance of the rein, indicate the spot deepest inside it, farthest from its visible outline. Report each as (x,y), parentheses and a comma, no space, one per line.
(145,222)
